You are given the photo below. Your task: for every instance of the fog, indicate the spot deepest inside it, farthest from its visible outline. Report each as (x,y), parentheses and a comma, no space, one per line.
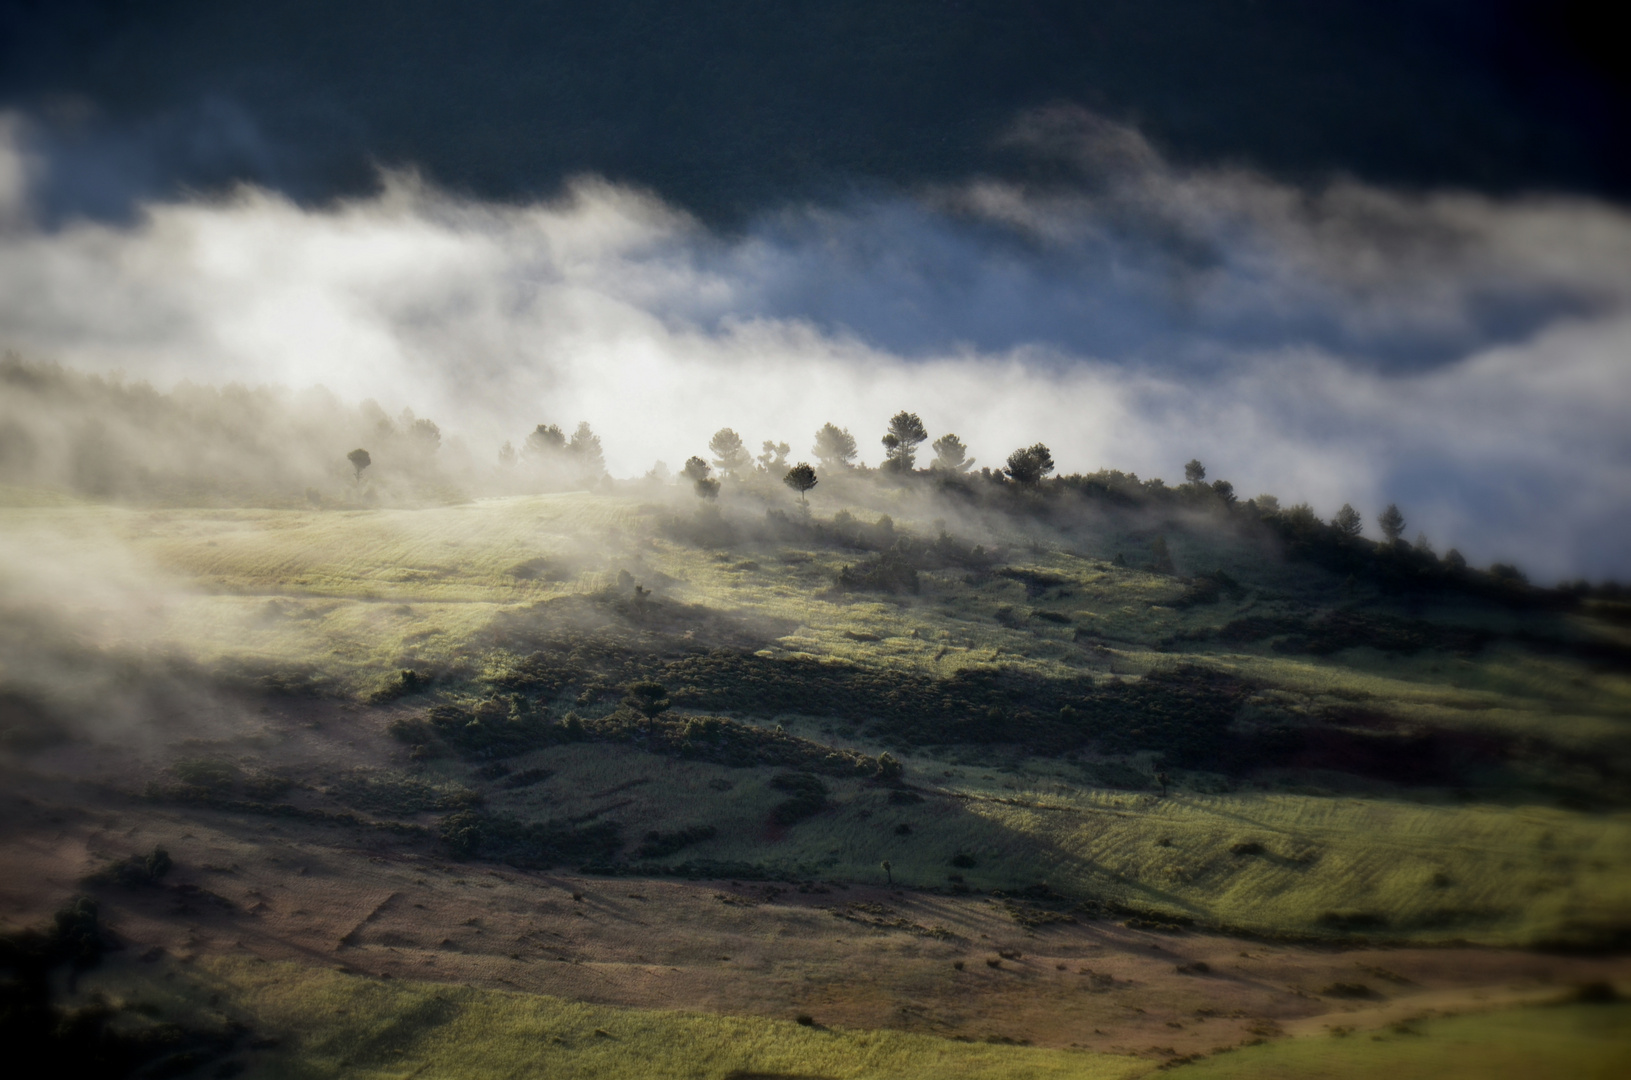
(1458,354)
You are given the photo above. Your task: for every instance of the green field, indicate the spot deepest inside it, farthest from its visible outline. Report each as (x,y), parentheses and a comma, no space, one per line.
(1238,744)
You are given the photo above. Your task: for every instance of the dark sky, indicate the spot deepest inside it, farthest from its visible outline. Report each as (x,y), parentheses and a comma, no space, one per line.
(729,107)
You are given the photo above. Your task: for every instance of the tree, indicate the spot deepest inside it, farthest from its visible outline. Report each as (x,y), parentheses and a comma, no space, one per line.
(544,440)
(1224,491)
(426,435)
(801,478)
(359,461)
(774,458)
(1161,557)
(1194,472)
(506,454)
(834,447)
(950,455)
(585,447)
(1030,465)
(696,470)
(900,443)
(730,456)
(650,700)
(1348,522)
(1392,523)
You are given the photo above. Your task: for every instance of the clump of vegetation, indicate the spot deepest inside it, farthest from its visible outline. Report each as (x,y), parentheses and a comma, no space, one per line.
(394,794)
(135,871)
(886,572)
(531,845)
(807,797)
(660,845)
(496,727)
(98,1040)
(527,778)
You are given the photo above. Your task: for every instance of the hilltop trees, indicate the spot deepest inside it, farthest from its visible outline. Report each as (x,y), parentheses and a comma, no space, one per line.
(901,441)
(1348,522)
(801,478)
(359,461)
(730,457)
(950,455)
(774,458)
(1029,465)
(1194,471)
(544,441)
(1392,523)
(585,447)
(834,447)
(696,470)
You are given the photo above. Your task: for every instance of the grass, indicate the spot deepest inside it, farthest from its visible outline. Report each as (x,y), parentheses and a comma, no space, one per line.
(356,596)
(1496,875)
(330,1024)
(1582,1042)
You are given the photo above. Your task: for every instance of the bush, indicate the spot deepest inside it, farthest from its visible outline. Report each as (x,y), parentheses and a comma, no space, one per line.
(889,572)
(660,845)
(528,845)
(809,797)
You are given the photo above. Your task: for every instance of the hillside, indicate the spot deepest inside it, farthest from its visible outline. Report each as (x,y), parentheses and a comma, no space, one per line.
(1162,749)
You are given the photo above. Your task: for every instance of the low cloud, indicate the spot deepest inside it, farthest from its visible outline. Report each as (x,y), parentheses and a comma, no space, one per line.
(1461,355)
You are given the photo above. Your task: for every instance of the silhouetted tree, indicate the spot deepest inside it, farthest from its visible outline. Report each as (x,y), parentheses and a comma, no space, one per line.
(696,470)
(801,478)
(1348,522)
(888,871)
(900,443)
(774,458)
(1030,465)
(1225,491)
(950,455)
(1454,561)
(1392,523)
(730,456)
(506,454)
(650,700)
(1194,472)
(1268,504)
(834,447)
(359,461)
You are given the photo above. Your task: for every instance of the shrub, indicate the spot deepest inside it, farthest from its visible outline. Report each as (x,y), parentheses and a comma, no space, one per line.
(889,571)
(660,845)
(528,845)
(808,797)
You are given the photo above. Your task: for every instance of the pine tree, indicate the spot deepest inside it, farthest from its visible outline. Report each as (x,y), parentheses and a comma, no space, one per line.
(834,447)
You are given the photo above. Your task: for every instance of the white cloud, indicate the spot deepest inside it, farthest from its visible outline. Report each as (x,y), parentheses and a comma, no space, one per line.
(1462,355)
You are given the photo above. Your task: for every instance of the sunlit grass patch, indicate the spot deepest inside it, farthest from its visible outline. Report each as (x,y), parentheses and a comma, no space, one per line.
(1582,1042)
(341,1025)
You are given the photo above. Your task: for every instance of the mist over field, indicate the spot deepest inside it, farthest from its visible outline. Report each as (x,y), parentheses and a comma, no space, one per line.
(1460,354)
(913,538)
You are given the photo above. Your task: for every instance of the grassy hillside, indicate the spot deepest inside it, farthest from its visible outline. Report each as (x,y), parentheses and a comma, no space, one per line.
(1338,762)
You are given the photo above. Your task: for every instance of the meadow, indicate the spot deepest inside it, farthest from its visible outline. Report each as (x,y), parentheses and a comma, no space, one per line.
(1032,715)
